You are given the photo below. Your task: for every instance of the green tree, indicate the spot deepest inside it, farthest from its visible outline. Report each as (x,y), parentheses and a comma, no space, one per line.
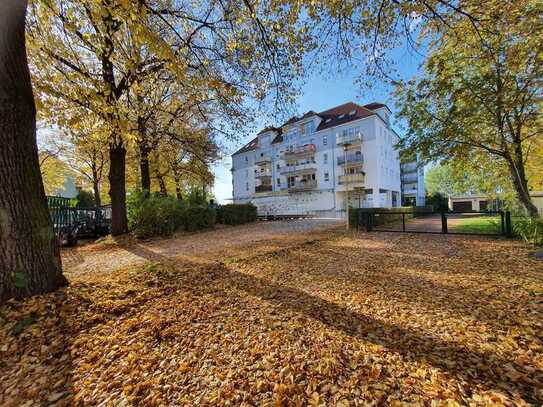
(482,93)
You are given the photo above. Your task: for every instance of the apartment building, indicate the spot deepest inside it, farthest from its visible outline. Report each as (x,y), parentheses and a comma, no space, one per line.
(413,190)
(321,163)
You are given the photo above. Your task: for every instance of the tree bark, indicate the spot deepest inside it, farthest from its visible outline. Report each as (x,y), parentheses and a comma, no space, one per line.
(177,180)
(117,190)
(145,172)
(520,183)
(29,255)
(96,189)
(161,184)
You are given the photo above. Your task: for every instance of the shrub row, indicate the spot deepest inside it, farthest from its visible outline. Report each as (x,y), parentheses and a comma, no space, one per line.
(155,215)
(236,214)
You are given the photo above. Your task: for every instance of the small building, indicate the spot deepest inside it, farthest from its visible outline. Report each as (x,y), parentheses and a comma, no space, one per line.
(481,202)
(476,203)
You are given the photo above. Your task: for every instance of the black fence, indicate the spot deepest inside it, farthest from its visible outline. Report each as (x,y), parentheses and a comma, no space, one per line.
(418,220)
(70,222)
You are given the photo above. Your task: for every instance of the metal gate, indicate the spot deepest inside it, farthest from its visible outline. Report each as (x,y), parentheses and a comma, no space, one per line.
(497,223)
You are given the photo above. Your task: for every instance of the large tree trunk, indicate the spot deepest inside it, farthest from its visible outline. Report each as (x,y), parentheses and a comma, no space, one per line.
(520,183)
(117,191)
(29,255)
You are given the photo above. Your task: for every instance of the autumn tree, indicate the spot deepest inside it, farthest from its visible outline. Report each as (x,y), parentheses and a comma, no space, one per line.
(29,255)
(482,93)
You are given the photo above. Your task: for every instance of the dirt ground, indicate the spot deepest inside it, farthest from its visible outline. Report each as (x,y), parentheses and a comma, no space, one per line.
(212,244)
(261,316)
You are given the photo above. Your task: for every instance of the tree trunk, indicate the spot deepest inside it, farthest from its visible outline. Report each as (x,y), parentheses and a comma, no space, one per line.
(177,180)
(520,183)
(117,191)
(96,189)
(145,173)
(162,184)
(29,255)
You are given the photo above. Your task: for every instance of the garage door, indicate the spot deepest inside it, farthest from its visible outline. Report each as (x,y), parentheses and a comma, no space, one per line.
(462,206)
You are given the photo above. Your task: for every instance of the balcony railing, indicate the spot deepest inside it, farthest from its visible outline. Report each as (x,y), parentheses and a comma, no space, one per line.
(291,169)
(351,178)
(410,177)
(349,139)
(300,151)
(263,174)
(302,185)
(266,159)
(263,188)
(350,159)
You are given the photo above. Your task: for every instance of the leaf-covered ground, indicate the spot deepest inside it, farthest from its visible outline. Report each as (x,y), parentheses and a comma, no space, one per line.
(326,318)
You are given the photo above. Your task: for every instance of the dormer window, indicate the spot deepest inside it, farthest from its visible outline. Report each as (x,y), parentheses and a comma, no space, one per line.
(352,112)
(328,120)
(341,116)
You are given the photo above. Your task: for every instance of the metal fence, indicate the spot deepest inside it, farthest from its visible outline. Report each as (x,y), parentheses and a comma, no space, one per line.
(423,221)
(70,222)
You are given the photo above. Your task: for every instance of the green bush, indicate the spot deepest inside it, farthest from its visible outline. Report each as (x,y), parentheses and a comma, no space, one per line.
(85,199)
(199,217)
(236,214)
(531,230)
(154,215)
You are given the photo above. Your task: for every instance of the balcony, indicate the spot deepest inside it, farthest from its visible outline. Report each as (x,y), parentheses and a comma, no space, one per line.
(263,188)
(298,169)
(351,178)
(349,139)
(350,159)
(302,186)
(263,174)
(308,149)
(264,160)
(409,177)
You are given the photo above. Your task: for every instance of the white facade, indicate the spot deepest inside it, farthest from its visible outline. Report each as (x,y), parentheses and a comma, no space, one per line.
(321,164)
(413,189)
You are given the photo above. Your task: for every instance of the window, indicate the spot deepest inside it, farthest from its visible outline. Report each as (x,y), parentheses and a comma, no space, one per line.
(325,158)
(326,176)
(246,186)
(325,140)
(341,116)
(246,173)
(328,120)
(278,166)
(352,112)
(278,182)
(246,159)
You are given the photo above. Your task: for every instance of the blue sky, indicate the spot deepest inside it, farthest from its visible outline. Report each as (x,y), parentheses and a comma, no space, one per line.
(321,93)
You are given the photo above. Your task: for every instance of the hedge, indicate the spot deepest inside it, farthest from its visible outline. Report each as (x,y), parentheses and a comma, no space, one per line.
(154,215)
(199,217)
(236,214)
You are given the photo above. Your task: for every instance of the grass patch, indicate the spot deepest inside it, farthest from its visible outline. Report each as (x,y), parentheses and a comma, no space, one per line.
(481,224)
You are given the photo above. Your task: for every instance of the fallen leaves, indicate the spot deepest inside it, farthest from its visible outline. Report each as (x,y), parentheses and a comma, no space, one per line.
(345,320)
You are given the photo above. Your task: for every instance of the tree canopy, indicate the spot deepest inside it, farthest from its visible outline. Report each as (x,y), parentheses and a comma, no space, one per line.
(481,93)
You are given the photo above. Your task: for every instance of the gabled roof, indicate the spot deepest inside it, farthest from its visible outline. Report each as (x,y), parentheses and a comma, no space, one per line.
(251,145)
(375,106)
(295,119)
(335,116)
(341,114)
(268,128)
